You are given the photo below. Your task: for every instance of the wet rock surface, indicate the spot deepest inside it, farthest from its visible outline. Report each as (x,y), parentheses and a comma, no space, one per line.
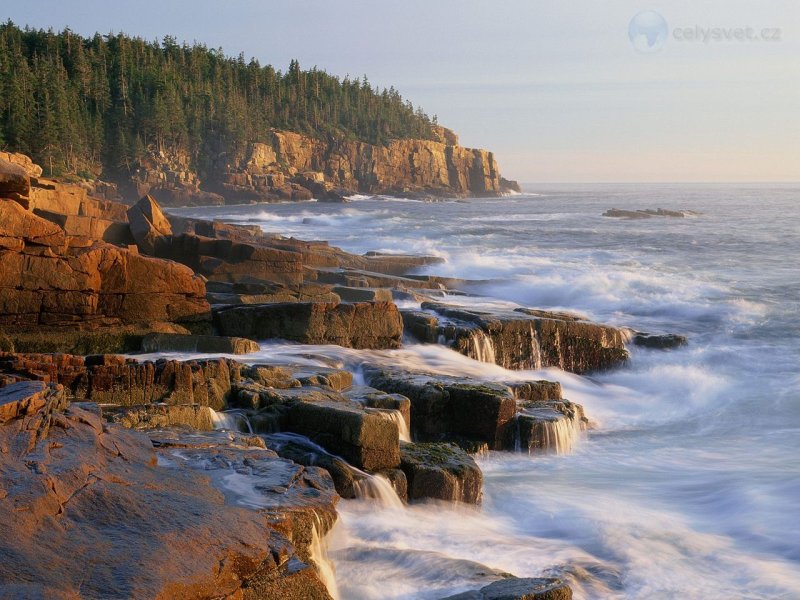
(74,483)
(648,213)
(440,471)
(514,588)
(444,406)
(521,338)
(659,341)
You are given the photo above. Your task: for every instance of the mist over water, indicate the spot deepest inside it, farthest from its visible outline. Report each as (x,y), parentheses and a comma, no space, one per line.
(689,483)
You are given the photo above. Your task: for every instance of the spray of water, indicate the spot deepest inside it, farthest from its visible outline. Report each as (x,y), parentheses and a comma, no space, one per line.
(231,420)
(481,347)
(319,556)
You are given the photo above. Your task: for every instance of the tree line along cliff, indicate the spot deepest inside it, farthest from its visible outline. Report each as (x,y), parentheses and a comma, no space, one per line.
(192,125)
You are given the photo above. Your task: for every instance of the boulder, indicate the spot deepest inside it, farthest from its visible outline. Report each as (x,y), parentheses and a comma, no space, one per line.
(509,185)
(352,325)
(15,182)
(514,588)
(20,224)
(148,225)
(440,471)
(346,429)
(546,426)
(50,281)
(540,390)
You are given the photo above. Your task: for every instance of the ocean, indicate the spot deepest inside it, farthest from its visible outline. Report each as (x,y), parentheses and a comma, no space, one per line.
(688,484)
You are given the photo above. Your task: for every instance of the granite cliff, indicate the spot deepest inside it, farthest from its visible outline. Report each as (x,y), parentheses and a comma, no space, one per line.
(293,166)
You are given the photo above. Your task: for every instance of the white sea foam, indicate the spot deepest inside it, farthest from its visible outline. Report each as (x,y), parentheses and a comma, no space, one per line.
(689,481)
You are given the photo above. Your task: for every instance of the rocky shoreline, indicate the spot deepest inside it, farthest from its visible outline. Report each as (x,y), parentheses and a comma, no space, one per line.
(219,477)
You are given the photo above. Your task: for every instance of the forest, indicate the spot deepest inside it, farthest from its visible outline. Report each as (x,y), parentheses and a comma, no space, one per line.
(86,106)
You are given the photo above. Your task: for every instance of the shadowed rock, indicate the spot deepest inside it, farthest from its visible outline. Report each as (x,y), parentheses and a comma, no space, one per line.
(356,325)
(206,344)
(440,471)
(148,225)
(663,341)
(442,406)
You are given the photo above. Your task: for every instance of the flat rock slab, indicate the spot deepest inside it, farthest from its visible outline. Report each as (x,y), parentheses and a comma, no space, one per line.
(23,398)
(356,294)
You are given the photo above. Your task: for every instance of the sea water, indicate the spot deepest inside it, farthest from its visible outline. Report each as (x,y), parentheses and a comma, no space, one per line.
(689,483)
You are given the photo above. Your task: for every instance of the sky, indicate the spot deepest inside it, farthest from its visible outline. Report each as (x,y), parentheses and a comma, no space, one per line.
(558,90)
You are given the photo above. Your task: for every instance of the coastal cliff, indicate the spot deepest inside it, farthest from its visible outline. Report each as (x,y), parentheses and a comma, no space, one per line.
(192,126)
(292,166)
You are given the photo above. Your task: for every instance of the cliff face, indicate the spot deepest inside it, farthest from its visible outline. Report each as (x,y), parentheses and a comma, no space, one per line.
(292,166)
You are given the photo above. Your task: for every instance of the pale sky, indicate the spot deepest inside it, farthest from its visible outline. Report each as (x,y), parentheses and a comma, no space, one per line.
(555,88)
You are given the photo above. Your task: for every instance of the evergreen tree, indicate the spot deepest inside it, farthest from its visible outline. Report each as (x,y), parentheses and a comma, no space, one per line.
(81,105)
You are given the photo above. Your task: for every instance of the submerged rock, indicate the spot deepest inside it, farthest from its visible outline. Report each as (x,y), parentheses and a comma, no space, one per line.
(662,341)
(441,471)
(647,213)
(514,588)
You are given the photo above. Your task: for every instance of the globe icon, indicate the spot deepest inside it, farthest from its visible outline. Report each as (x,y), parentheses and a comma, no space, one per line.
(647,31)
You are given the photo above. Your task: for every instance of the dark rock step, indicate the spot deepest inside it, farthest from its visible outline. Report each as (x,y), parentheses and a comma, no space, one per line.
(444,406)
(372,325)
(441,471)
